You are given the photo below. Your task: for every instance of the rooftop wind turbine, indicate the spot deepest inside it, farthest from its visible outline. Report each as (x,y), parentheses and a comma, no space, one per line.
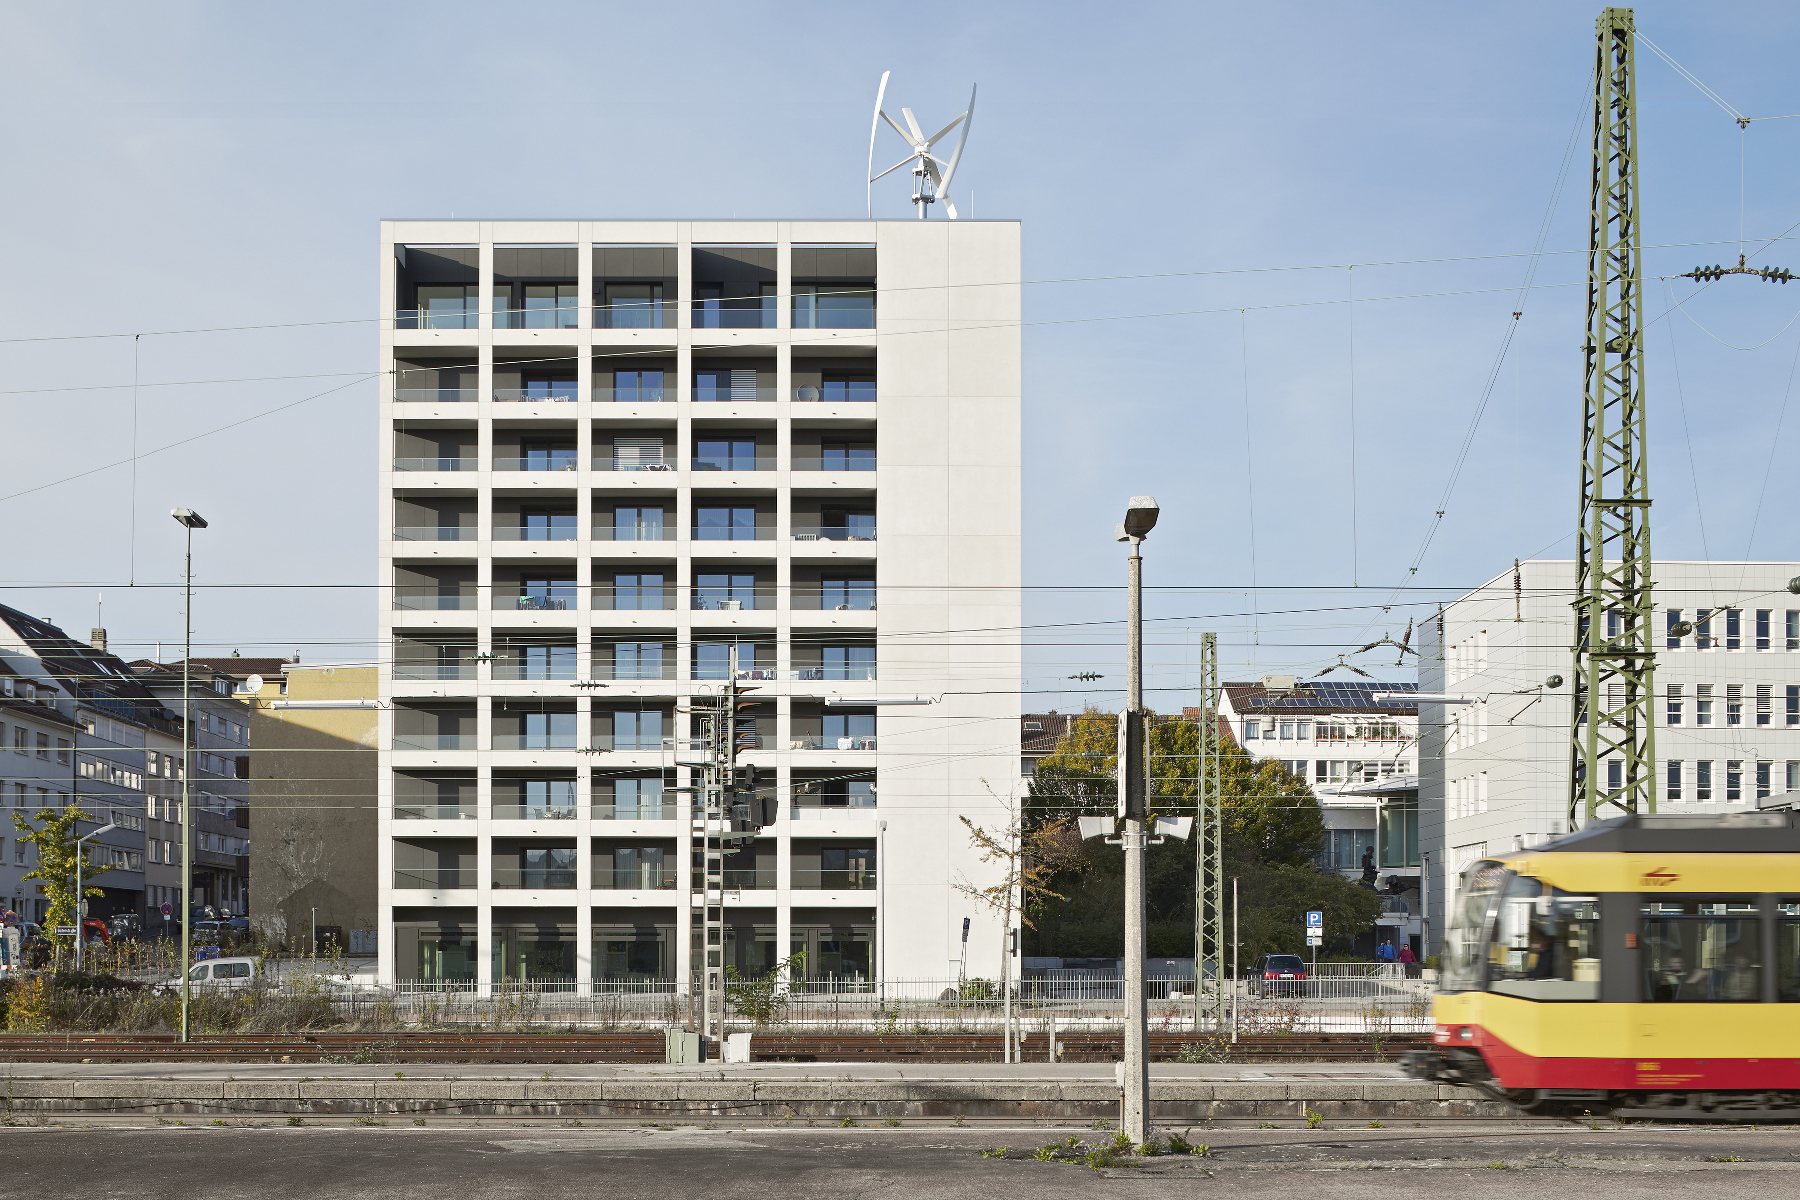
(931,174)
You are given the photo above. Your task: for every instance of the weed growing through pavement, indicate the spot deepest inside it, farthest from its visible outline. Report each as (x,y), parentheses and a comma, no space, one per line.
(892,1123)
(1496,1166)
(1725,1158)
(1264,1125)
(1376,1125)
(958,1121)
(1314,1120)
(418,1120)
(996,1152)
(847,1123)
(295,1121)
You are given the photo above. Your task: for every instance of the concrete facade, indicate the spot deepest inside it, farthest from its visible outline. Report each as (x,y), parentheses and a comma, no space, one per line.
(683,436)
(1495,771)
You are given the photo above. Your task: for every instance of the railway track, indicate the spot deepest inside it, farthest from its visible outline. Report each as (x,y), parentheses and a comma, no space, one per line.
(648,1047)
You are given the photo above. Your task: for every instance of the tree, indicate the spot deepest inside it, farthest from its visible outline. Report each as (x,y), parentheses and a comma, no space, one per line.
(1273,831)
(57,848)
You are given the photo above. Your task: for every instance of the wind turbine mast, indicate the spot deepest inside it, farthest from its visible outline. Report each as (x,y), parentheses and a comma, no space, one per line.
(931,174)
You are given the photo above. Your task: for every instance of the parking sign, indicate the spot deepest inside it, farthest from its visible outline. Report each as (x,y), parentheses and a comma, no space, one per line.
(1315,920)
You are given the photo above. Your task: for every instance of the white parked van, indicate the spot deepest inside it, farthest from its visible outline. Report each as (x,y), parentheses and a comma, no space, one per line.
(228,973)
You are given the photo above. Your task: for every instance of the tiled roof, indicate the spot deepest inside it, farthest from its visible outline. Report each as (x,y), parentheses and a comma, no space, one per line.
(1321,697)
(93,675)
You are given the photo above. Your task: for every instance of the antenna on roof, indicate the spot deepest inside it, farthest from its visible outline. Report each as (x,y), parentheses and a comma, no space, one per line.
(931,174)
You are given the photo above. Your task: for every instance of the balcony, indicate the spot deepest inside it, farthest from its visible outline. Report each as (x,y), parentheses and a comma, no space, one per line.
(548,306)
(555,460)
(437,395)
(842,306)
(635,812)
(634,306)
(628,742)
(536,812)
(556,600)
(434,599)
(463,668)
(538,393)
(717,311)
(616,532)
(734,394)
(434,741)
(559,532)
(731,462)
(553,739)
(851,672)
(435,533)
(834,881)
(852,807)
(837,391)
(708,599)
(534,877)
(620,598)
(749,880)
(548,664)
(835,533)
(826,741)
(436,812)
(639,462)
(436,879)
(454,307)
(641,878)
(848,461)
(734,533)
(437,464)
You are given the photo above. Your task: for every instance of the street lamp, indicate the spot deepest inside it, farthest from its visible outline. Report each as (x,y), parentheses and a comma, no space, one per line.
(1140,519)
(190,521)
(80,902)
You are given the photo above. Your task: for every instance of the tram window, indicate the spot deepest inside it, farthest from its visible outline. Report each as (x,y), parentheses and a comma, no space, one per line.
(1463,969)
(1787,951)
(1702,951)
(1544,944)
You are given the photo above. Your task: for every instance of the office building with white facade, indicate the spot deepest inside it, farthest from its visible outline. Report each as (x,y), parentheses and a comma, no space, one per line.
(612,452)
(1495,769)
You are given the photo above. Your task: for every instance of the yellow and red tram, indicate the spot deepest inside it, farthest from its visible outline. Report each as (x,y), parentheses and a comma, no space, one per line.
(1648,963)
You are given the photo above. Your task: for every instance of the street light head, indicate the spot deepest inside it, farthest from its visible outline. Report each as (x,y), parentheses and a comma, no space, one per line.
(1140,516)
(188,517)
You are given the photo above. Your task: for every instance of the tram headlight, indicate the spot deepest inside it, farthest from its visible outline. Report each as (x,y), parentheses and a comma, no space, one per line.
(1466,1034)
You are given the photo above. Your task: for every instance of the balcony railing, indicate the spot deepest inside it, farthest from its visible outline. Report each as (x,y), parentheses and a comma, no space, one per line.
(535,812)
(722,463)
(834,307)
(434,599)
(823,741)
(632,395)
(559,668)
(834,463)
(436,812)
(747,880)
(437,464)
(613,462)
(650,313)
(559,601)
(635,812)
(640,879)
(427,669)
(435,533)
(833,881)
(533,741)
(833,673)
(463,315)
(728,533)
(834,533)
(835,602)
(640,672)
(560,461)
(434,741)
(534,533)
(627,742)
(612,533)
(856,806)
(633,599)
(436,878)
(530,877)
(436,395)
(836,392)
(557,393)
(735,395)
(564,313)
(736,312)
(708,600)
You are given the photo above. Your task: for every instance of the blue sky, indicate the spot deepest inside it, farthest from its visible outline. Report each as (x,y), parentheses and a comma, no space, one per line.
(210,165)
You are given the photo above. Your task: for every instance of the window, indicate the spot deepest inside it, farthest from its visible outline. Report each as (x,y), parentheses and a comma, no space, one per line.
(1674,778)
(847,594)
(1343,849)
(1793,777)
(21,740)
(637,730)
(637,591)
(724,524)
(19,852)
(1303,730)
(1703,704)
(1703,779)
(846,456)
(1674,619)
(1703,639)
(1764,704)
(1287,730)
(724,592)
(1793,705)
(1762,628)
(1793,629)
(1252,730)
(639,524)
(631,306)
(638,454)
(1702,951)
(1674,703)
(1329,732)
(1734,704)
(855,662)
(1734,781)
(1763,779)
(724,454)
(62,751)
(834,306)
(1544,944)
(1615,776)
(43,746)
(637,660)
(1733,629)
(1787,949)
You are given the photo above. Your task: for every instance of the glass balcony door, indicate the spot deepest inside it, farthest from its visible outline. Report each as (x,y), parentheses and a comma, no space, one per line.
(847,456)
(637,660)
(630,306)
(637,730)
(638,868)
(546,526)
(718,591)
(724,454)
(637,387)
(638,524)
(725,524)
(637,799)
(449,306)
(854,594)
(547,731)
(546,456)
(847,662)
(734,306)
(638,591)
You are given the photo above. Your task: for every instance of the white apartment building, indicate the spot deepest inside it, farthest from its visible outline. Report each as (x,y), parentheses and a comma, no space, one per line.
(1360,755)
(611,451)
(1495,771)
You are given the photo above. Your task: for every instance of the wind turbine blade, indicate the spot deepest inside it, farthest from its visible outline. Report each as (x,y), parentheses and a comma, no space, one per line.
(913,124)
(939,135)
(898,129)
(894,168)
(874,124)
(968,119)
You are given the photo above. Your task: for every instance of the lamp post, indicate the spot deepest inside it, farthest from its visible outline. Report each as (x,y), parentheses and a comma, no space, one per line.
(1140,519)
(190,521)
(80,902)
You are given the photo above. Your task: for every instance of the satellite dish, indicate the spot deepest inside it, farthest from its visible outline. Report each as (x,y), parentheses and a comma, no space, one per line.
(931,174)
(254,684)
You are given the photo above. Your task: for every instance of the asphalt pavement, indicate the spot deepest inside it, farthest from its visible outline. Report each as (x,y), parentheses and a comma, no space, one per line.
(326,1162)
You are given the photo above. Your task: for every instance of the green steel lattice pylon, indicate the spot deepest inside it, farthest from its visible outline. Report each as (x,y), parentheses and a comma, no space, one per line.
(1613,750)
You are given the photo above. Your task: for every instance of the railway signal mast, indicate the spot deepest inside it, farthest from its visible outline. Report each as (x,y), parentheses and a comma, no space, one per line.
(1613,738)
(1209,845)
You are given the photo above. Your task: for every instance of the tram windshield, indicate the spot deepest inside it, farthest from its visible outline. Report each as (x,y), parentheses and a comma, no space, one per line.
(1518,937)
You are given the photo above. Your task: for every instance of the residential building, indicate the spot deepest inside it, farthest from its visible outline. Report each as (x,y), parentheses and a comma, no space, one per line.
(313,804)
(76,724)
(1496,767)
(612,451)
(1356,742)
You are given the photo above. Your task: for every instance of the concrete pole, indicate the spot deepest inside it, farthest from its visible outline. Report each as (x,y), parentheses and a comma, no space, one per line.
(187,775)
(1136,1115)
